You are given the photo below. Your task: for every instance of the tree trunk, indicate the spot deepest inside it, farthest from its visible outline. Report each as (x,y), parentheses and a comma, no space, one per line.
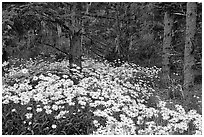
(189,60)
(130,47)
(87,7)
(75,51)
(168,23)
(59,30)
(59,33)
(75,43)
(117,40)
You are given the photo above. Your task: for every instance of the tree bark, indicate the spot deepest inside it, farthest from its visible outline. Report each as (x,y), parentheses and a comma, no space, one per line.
(75,43)
(117,40)
(59,33)
(87,7)
(189,60)
(168,24)
(75,51)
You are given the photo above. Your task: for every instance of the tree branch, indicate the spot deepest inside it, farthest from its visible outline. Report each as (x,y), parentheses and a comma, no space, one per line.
(96,16)
(47,44)
(97,40)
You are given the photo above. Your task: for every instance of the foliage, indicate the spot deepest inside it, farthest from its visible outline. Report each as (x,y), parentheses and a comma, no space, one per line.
(44,98)
(141,29)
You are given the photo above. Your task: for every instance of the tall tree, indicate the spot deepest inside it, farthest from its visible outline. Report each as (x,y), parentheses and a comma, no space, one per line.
(189,60)
(75,43)
(168,23)
(117,39)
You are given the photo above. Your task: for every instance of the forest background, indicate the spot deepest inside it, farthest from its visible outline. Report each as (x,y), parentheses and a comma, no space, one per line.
(162,36)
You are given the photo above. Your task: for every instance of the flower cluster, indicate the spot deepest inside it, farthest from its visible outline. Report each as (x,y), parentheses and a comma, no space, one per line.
(113,100)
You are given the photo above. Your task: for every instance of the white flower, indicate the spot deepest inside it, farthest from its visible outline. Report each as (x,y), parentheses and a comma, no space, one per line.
(162,104)
(48,111)
(83,103)
(42,77)
(28,115)
(46,107)
(49,74)
(29,108)
(6,101)
(39,110)
(165,116)
(180,109)
(39,97)
(24,71)
(55,107)
(71,103)
(95,122)
(197,132)
(15,99)
(54,126)
(15,85)
(140,120)
(95,95)
(35,78)
(64,76)
(13,110)
(68,83)
(44,101)
(78,67)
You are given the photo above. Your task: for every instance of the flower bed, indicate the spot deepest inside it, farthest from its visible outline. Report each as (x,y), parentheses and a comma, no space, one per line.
(46,99)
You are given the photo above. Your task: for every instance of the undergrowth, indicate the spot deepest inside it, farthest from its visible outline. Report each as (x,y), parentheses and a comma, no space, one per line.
(42,97)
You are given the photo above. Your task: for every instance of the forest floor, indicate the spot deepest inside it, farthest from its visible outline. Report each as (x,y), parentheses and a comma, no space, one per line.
(41,97)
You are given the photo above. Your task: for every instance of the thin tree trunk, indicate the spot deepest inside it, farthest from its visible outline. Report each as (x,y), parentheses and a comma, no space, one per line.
(75,50)
(87,7)
(59,33)
(168,23)
(59,30)
(75,43)
(117,40)
(130,47)
(189,60)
